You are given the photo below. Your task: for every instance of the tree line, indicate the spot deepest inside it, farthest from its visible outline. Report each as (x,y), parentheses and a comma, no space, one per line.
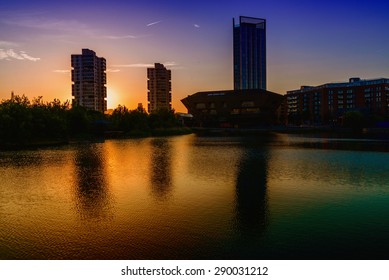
(24,121)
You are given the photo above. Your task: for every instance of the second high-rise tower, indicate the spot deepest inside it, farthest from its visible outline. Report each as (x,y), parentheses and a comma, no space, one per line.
(159,86)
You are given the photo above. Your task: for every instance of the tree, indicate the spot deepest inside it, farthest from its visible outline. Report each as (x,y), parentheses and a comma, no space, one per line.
(77,120)
(15,120)
(129,120)
(163,118)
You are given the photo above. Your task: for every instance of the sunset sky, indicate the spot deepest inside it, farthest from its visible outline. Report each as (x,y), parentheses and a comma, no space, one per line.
(308,43)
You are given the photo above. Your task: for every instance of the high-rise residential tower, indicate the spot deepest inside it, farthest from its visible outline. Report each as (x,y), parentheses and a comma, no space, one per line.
(89,81)
(159,88)
(249,53)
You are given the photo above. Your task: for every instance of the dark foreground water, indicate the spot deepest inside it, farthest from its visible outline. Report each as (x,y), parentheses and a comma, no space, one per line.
(186,197)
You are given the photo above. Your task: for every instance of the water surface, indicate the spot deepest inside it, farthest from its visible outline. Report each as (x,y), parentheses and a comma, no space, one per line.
(188,197)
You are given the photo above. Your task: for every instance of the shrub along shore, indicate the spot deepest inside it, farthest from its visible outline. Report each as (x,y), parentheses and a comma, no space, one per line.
(28,123)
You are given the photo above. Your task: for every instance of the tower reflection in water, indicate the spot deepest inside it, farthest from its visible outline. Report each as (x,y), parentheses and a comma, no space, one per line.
(161,168)
(91,190)
(251,200)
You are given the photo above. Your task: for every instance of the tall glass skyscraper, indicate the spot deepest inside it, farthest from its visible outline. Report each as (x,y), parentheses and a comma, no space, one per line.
(249,53)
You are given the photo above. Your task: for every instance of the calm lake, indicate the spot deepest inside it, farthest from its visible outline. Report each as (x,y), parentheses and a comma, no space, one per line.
(190,197)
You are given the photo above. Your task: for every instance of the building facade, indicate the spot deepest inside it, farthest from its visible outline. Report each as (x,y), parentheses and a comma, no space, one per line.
(159,94)
(89,81)
(234,108)
(249,53)
(327,104)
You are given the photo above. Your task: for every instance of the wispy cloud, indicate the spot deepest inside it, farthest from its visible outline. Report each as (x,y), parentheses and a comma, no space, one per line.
(134,65)
(60,29)
(3,55)
(154,23)
(8,44)
(144,65)
(28,57)
(10,54)
(46,23)
(49,26)
(112,37)
(62,71)
(170,63)
(196,25)
(67,71)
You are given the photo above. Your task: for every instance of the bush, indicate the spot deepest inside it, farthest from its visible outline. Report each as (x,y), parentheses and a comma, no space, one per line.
(23,122)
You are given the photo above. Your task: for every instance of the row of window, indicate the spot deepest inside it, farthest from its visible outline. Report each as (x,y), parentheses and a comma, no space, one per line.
(236,111)
(244,104)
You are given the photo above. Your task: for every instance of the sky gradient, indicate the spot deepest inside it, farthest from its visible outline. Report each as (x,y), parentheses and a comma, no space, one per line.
(308,43)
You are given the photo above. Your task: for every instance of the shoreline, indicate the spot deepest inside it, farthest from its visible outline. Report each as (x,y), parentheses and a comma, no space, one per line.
(92,138)
(381,134)
(330,132)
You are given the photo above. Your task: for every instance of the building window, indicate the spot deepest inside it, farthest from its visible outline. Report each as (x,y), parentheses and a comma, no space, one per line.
(250,111)
(200,106)
(246,104)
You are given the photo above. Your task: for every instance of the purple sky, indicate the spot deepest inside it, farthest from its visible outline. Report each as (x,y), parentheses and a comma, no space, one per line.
(308,43)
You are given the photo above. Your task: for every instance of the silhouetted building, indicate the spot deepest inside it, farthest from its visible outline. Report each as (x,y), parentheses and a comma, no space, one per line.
(234,108)
(326,104)
(89,81)
(159,88)
(249,53)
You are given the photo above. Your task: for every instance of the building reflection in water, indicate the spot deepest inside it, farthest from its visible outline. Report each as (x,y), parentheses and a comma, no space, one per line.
(161,168)
(91,191)
(251,197)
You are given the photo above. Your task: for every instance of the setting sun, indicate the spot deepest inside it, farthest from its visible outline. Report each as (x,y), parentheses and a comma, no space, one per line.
(112,98)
